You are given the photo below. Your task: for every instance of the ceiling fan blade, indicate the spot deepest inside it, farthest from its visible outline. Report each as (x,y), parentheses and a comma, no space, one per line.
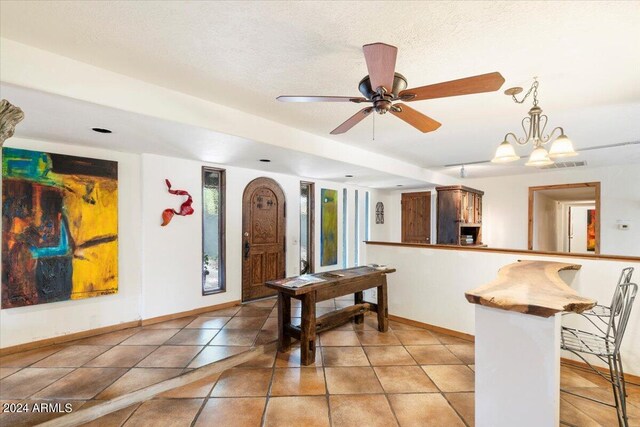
(467,86)
(415,118)
(381,63)
(355,99)
(352,121)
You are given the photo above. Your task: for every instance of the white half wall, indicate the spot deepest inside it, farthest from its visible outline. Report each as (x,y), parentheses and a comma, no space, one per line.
(429,287)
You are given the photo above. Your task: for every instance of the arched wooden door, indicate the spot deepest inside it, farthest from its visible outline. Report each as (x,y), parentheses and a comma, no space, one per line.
(263,237)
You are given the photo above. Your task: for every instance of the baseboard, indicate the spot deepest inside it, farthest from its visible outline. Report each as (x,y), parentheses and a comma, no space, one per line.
(68,337)
(433,328)
(188,313)
(628,378)
(112,328)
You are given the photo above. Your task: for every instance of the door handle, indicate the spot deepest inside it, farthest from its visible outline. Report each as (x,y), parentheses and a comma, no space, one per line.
(246,249)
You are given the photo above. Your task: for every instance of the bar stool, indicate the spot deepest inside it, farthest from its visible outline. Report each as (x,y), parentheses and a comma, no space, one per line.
(610,322)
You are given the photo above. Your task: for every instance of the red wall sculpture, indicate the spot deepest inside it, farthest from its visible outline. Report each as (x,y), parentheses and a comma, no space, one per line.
(185,208)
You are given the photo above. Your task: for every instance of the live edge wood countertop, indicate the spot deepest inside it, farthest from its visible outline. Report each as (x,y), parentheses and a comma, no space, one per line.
(531,287)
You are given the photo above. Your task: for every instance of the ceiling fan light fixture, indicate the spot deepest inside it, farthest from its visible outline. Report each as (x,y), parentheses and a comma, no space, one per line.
(505,153)
(539,157)
(562,147)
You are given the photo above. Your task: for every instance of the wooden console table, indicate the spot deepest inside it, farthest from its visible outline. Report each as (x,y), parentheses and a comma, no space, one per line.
(517,353)
(335,284)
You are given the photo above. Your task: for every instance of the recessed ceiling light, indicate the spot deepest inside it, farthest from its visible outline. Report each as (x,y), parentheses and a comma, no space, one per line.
(101,130)
(265,160)
(348,176)
(398,185)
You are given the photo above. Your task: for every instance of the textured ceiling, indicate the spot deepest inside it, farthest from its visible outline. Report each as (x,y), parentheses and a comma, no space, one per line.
(244,54)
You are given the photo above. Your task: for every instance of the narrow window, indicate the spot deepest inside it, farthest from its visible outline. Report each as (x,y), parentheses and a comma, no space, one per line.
(356,232)
(367,220)
(213,236)
(306,227)
(344,228)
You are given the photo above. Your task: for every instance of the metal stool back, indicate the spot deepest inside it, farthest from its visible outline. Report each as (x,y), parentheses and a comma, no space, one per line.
(606,344)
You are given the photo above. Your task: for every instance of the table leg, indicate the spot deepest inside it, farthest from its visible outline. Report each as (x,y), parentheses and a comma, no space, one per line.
(359,299)
(284,318)
(383,310)
(308,329)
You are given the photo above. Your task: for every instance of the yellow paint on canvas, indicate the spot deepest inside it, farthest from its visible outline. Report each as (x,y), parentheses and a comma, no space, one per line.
(92,210)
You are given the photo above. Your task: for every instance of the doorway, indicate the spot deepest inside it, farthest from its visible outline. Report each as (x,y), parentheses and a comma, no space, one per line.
(263,237)
(416,217)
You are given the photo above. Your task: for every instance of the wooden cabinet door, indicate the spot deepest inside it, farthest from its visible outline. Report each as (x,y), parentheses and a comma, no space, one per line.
(416,217)
(263,237)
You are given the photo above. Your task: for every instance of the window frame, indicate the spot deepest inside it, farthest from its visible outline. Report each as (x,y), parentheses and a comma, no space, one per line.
(222,282)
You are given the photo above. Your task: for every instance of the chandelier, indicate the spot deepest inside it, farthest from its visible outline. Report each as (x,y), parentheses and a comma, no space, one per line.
(534,126)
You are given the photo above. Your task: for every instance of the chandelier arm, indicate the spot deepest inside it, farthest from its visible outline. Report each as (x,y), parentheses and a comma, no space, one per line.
(558,128)
(527,132)
(515,138)
(544,139)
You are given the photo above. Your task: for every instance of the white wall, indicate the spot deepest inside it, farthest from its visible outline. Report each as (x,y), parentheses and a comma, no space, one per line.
(429,286)
(160,267)
(24,324)
(545,224)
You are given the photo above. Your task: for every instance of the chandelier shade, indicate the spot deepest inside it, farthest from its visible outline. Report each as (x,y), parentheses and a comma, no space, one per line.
(505,153)
(562,147)
(539,157)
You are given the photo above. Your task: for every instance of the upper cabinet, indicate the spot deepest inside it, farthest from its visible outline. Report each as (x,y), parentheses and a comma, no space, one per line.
(459,215)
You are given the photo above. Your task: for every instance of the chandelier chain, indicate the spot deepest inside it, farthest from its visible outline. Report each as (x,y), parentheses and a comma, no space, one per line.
(534,89)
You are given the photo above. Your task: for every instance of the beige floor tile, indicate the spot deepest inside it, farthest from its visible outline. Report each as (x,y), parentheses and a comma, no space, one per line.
(234,337)
(404,379)
(344,356)
(72,356)
(451,378)
(266,303)
(265,360)
(197,389)
(114,419)
(250,323)
(602,414)
(208,323)
(135,379)
(339,338)
(5,372)
(309,411)
(232,411)
(83,383)
(32,418)
(395,355)
(150,337)
(170,356)
(24,383)
(249,311)
(171,324)
(26,358)
(243,382)
(212,354)
(465,352)
(350,411)
(428,409)
(192,337)
(571,415)
(464,404)
(570,378)
(271,324)
(472,367)
(291,358)
(377,338)
(416,337)
(450,339)
(434,354)
(352,380)
(111,338)
(225,312)
(266,337)
(121,356)
(171,412)
(298,382)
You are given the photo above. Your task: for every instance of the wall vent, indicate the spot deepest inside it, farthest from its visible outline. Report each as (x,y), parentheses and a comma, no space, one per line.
(564,165)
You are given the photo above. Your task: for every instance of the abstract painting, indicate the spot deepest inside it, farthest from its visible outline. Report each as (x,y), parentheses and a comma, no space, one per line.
(59,227)
(591,230)
(328,227)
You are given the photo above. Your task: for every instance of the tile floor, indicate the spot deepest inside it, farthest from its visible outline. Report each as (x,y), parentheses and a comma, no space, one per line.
(407,377)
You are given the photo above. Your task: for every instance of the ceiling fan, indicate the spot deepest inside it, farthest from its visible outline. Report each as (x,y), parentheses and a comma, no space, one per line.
(383,86)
